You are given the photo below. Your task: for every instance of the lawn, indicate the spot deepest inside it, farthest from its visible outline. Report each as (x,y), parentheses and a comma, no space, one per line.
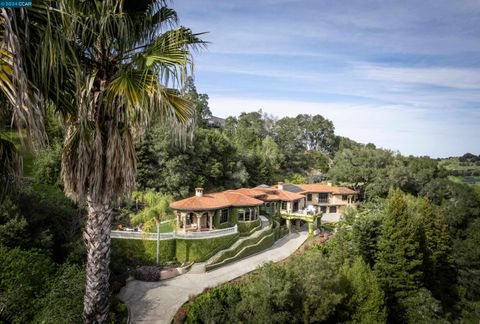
(167,227)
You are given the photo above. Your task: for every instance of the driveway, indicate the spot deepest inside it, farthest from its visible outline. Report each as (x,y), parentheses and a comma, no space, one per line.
(157,302)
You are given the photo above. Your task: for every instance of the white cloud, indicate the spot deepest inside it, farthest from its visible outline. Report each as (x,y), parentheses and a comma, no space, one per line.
(460,78)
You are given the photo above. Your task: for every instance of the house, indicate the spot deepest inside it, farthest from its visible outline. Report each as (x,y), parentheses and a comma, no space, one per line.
(242,207)
(325,197)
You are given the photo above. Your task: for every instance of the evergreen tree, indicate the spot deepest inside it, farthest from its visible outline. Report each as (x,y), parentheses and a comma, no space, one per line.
(365,302)
(437,252)
(399,258)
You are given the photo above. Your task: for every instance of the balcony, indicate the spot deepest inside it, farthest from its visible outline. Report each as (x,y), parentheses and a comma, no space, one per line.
(172,235)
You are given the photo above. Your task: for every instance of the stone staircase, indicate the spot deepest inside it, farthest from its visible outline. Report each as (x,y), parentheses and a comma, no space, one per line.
(200,266)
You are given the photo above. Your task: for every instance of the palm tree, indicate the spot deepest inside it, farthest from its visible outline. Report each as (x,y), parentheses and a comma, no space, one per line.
(157,209)
(107,67)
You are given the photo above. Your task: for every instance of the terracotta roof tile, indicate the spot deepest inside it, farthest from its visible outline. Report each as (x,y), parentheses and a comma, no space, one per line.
(317,187)
(215,201)
(249,192)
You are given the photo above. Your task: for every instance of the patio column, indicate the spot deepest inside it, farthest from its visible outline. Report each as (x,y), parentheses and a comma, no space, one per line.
(178,222)
(199,217)
(184,221)
(210,221)
(297,224)
(289,224)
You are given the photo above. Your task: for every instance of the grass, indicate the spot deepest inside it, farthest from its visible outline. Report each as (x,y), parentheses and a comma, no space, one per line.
(167,227)
(454,164)
(459,179)
(462,172)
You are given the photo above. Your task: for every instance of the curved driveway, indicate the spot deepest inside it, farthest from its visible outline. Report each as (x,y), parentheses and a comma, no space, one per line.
(157,302)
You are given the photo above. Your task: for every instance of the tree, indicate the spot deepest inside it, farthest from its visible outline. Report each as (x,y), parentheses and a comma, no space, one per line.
(156,209)
(319,286)
(200,100)
(10,165)
(107,67)
(467,260)
(366,231)
(436,244)
(290,138)
(24,276)
(271,297)
(365,301)
(420,307)
(318,133)
(365,168)
(399,259)
(63,303)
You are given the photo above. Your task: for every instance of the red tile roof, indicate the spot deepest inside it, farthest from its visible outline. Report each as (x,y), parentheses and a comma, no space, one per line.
(215,201)
(317,187)
(249,192)
(252,197)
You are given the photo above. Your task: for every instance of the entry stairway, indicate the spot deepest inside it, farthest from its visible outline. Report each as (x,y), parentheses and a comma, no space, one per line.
(200,267)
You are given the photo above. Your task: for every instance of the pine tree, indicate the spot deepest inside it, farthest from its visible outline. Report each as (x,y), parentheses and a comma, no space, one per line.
(437,252)
(399,258)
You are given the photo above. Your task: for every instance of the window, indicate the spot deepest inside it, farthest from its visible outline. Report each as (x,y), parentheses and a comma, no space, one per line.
(309,197)
(247,214)
(344,197)
(333,209)
(267,204)
(241,215)
(323,197)
(224,216)
(323,209)
(284,205)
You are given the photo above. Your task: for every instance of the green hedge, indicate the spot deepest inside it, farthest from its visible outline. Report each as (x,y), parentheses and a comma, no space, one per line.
(247,228)
(130,253)
(263,244)
(201,250)
(250,241)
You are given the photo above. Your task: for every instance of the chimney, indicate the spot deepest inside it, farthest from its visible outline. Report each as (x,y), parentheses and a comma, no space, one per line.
(280,186)
(199,192)
(329,183)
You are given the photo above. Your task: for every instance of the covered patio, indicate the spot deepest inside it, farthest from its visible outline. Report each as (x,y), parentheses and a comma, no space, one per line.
(195,221)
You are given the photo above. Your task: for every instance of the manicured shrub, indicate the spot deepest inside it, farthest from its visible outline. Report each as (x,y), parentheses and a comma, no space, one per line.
(201,250)
(129,254)
(246,228)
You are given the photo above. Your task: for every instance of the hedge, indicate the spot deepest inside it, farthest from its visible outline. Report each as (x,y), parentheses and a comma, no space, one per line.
(247,228)
(130,253)
(201,250)
(243,244)
(263,244)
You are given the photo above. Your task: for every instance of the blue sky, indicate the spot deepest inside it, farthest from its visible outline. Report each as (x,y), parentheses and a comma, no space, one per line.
(404,75)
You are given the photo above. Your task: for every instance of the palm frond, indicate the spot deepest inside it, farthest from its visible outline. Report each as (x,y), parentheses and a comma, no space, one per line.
(10,165)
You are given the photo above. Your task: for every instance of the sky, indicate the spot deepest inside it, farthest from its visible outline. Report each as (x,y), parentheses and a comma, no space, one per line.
(404,75)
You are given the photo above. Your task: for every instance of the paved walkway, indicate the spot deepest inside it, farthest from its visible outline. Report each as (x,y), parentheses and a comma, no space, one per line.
(157,302)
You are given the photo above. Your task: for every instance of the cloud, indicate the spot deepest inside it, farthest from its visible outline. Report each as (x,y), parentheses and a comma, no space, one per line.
(459,78)
(402,74)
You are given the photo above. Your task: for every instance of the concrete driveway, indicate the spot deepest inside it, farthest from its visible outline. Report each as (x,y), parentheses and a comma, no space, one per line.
(157,302)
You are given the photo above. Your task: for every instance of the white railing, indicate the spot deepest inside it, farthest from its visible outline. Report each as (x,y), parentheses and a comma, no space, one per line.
(172,235)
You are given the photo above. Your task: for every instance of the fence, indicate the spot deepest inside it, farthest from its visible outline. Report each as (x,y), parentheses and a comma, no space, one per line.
(173,235)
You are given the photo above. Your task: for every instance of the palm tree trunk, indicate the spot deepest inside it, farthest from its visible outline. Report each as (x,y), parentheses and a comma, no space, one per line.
(97,239)
(158,242)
